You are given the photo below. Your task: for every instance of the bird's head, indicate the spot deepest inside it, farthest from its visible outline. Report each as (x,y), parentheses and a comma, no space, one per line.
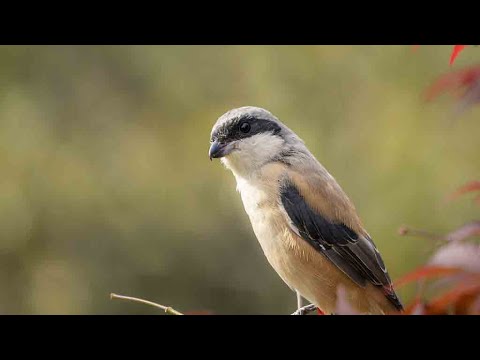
(249,137)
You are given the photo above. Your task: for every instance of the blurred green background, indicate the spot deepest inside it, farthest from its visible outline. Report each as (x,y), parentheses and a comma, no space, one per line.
(106,184)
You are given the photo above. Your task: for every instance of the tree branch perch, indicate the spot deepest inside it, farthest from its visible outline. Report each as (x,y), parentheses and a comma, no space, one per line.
(167,309)
(305,310)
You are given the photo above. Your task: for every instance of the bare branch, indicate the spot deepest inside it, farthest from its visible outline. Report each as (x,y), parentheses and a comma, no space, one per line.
(406,231)
(467,230)
(305,310)
(167,309)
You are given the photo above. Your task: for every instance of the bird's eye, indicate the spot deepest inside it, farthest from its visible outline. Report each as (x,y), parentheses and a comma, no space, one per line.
(245,127)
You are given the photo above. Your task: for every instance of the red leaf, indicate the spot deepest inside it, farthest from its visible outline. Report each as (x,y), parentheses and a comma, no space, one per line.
(467,304)
(475,306)
(426,272)
(455,52)
(441,304)
(468,187)
(466,77)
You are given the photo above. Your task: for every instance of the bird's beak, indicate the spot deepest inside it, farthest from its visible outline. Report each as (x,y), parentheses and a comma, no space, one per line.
(218,150)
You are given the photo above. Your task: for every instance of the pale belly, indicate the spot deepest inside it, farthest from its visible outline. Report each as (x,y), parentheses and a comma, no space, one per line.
(299,265)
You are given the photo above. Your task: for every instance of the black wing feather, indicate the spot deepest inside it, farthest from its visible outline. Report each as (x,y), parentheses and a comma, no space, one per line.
(354,254)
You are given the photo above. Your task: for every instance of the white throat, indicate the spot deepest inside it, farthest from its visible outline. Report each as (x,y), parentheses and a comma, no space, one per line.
(252,153)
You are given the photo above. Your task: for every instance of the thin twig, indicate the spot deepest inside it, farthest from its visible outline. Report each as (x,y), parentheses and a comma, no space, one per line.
(406,231)
(167,309)
(305,310)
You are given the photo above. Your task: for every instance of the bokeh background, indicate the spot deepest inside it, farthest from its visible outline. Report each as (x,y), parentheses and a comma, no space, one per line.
(106,185)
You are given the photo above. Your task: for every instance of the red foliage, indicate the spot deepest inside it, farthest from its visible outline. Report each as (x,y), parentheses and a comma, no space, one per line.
(426,272)
(449,283)
(456,50)
(456,267)
(465,83)
(465,78)
(468,187)
(459,300)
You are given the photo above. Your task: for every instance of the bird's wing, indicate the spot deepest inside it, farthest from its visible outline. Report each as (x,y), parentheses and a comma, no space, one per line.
(351,251)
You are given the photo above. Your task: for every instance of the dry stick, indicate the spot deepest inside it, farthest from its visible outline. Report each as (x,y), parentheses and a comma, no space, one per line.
(302,311)
(167,309)
(406,231)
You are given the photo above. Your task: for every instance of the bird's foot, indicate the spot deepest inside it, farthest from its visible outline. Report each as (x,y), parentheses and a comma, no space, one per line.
(305,310)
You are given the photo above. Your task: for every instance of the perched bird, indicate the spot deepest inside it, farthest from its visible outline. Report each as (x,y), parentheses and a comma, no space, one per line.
(306,225)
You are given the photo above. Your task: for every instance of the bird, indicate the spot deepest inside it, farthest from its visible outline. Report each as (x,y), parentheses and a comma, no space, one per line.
(307,227)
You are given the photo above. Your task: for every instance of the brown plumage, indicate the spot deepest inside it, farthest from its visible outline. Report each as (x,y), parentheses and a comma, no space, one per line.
(306,225)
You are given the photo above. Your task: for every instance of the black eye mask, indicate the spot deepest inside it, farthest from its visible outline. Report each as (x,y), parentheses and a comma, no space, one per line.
(243,128)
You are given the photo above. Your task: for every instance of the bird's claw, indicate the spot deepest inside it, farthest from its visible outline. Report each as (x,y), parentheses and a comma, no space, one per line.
(305,310)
